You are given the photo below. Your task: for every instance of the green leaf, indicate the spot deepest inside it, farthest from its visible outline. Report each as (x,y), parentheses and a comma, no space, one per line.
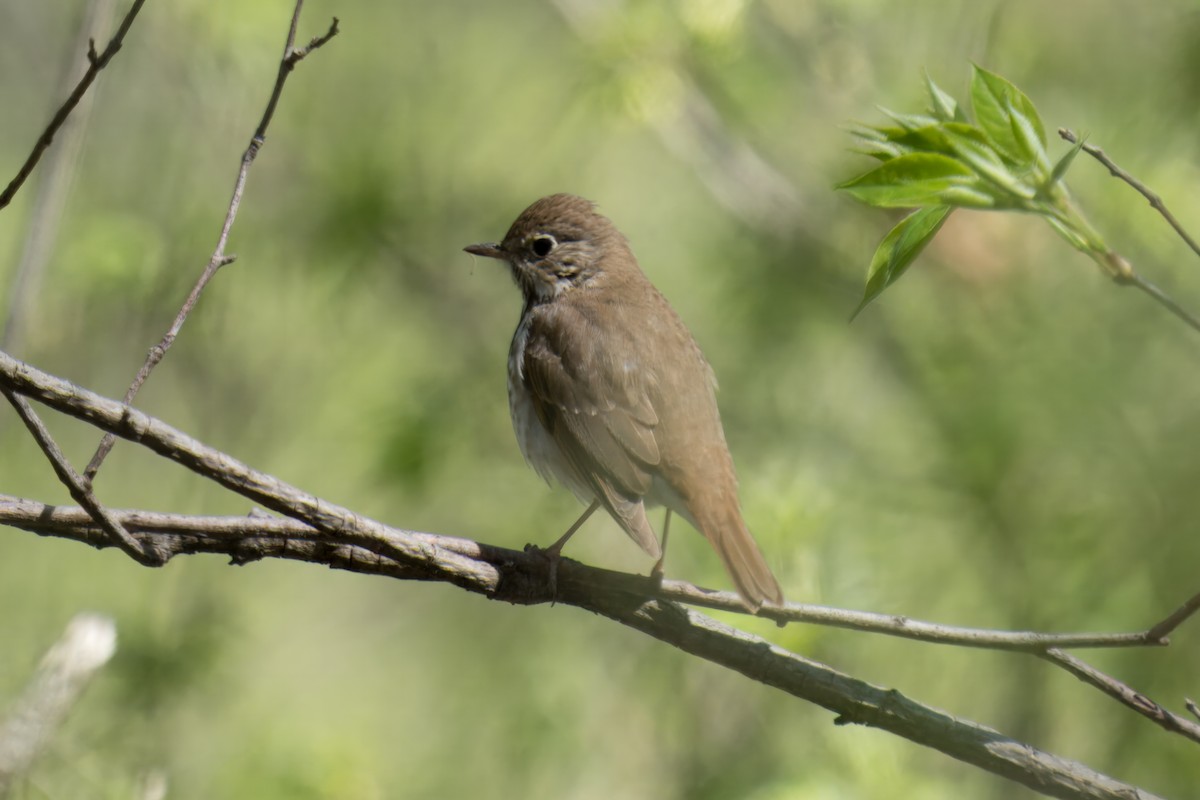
(972,197)
(883,151)
(1030,137)
(973,147)
(1073,237)
(875,141)
(910,122)
(1060,168)
(920,179)
(944,106)
(1008,118)
(898,250)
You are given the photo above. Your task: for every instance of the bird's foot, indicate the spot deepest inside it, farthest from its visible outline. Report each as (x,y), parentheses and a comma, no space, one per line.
(553,556)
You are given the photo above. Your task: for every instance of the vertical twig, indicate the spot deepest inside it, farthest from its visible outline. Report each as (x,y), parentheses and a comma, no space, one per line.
(291,56)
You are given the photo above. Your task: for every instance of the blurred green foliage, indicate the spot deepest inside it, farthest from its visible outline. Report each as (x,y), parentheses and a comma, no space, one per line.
(1005,439)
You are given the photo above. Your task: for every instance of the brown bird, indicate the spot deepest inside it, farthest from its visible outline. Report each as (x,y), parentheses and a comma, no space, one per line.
(610,394)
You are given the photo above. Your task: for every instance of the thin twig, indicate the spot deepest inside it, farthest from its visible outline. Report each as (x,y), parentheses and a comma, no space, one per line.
(219,259)
(53,187)
(520,577)
(1124,694)
(907,628)
(1163,299)
(1192,707)
(1156,202)
(1176,618)
(81,493)
(96,63)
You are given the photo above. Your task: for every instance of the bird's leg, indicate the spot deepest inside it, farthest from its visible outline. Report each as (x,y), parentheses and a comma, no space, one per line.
(556,548)
(554,551)
(656,573)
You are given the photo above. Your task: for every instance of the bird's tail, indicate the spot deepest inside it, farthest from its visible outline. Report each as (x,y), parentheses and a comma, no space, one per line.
(720,520)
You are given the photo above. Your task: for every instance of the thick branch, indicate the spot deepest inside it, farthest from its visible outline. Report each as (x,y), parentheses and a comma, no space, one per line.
(337,521)
(522,577)
(76,523)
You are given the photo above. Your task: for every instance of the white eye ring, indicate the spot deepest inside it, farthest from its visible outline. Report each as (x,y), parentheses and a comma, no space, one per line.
(542,244)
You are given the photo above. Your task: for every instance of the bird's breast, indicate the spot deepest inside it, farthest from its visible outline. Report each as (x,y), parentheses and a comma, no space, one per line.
(536,442)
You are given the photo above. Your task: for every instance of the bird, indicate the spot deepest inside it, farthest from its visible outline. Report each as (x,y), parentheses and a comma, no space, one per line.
(611,396)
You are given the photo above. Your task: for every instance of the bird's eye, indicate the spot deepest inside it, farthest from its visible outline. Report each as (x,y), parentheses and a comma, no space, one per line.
(542,245)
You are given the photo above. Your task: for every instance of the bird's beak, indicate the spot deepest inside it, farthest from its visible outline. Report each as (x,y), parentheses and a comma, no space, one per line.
(488,249)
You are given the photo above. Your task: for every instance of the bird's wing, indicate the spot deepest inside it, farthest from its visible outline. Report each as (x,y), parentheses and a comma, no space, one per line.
(598,412)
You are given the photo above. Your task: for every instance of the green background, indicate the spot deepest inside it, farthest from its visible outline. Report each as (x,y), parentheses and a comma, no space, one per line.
(1004,439)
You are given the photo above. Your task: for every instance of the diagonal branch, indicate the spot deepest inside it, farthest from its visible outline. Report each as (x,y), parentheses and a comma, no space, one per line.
(522,577)
(1124,694)
(96,62)
(291,56)
(51,191)
(346,540)
(81,493)
(1176,618)
(1156,202)
(421,549)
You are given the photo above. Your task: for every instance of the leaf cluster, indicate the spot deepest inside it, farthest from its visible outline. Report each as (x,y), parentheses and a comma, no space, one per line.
(993,158)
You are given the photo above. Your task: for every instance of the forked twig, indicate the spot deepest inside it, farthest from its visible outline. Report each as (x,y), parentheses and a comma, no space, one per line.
(75,484)
(52,188)
(1176,617)
(96,62)
(291,57)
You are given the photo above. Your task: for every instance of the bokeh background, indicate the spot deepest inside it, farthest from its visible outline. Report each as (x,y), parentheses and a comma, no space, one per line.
(1005,439)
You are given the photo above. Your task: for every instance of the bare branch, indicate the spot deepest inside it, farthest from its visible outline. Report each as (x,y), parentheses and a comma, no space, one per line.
(53,187)
(96,63)
(290,501)
(907,628)
(346,540)
(1164,300)
(74,483)
(1125,694)
(87,644)
(521,577)
(218,258)
(75,523)
(1176,617)
(1156,202)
